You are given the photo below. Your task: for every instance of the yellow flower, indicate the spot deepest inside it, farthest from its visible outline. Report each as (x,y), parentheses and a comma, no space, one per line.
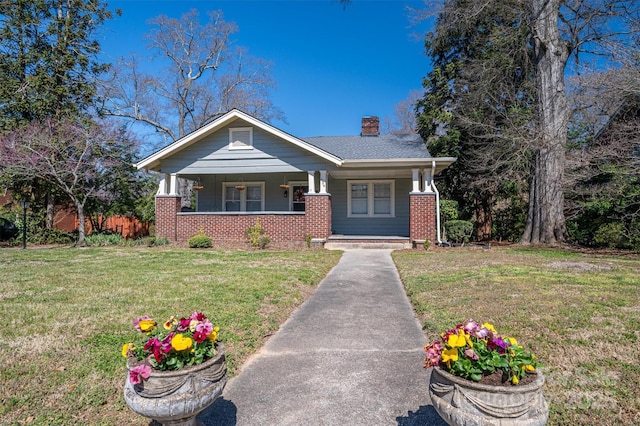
(529,367)
(170,323)
(515,380)
(449,355)
(192,325)
(489,327)
(181,343)
(125,349)
(146,325)
(213,336)
(512,340)
(457,340)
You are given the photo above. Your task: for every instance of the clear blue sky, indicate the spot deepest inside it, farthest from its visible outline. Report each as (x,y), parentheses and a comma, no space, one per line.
(332,65)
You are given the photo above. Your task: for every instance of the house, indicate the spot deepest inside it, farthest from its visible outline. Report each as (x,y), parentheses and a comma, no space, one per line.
(366,186)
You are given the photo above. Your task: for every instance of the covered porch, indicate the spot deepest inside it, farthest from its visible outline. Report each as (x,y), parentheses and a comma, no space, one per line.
(311,207)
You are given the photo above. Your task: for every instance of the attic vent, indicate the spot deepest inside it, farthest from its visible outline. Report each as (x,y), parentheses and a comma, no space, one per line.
(241,138)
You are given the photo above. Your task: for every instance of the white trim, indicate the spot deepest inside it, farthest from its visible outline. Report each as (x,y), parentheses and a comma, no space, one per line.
(370,198)
(292,184)
(243,194)
(242,145)
(153,161)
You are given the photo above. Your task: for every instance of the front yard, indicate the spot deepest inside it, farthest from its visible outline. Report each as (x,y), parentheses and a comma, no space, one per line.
(68,311)
(579,313)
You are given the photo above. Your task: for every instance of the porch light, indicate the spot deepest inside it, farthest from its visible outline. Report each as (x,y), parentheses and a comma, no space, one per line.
(197,186)
(241,187)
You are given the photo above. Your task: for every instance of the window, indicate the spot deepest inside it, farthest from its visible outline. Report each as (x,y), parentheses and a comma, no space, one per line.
(241,138)
(249,199)
(298,191)
(370,199)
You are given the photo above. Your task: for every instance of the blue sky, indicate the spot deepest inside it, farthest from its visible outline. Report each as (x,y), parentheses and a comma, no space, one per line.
(332,65)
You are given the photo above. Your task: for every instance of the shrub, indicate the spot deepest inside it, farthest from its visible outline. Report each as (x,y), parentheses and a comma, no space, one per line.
(256,235)
(427,244)
(611,235)
(103,239)
(459,231)
(200,240)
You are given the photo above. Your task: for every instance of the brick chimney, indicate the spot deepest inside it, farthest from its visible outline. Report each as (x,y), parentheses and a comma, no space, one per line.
(370,126)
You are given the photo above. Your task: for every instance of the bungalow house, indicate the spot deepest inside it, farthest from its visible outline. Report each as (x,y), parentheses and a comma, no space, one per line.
(369,186)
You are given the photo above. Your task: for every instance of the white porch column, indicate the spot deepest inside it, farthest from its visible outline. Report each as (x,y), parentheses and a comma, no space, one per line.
(323,181)
(173,185)
(312,181)
(416,180)
(428,180)
(162,186)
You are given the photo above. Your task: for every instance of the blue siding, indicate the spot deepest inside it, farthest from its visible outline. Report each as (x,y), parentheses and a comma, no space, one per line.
(269,155)
(396,226)
(210,198)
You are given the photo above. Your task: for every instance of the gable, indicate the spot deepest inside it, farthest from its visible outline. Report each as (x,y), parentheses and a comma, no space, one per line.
(173,153)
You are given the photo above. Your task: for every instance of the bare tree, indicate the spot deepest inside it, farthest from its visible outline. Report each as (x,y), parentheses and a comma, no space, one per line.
(404,119)
(198,74)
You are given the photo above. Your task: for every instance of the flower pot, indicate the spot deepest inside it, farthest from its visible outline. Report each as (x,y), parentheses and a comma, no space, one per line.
(464,402)
(176,397)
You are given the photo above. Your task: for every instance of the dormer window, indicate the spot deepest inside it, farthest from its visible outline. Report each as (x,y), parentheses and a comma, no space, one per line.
(241,138)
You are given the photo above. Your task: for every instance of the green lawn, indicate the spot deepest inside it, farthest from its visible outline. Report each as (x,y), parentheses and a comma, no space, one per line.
(67,313)
(580,314)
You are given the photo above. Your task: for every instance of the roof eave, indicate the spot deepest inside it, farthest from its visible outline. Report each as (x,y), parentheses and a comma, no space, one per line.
(441,162)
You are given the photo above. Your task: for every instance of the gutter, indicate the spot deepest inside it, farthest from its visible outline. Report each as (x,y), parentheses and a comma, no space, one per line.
(435,189)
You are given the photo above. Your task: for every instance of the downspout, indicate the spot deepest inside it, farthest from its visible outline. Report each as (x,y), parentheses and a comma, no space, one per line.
(433,187)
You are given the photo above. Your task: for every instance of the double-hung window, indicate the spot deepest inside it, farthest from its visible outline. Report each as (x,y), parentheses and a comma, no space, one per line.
(370,198)
(243,197)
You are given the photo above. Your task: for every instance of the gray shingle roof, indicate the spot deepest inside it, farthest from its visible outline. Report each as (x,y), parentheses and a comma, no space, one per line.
(381,147)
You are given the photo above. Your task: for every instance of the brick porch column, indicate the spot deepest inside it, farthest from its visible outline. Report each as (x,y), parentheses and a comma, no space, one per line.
(422,216)
(318,215)
(166,219)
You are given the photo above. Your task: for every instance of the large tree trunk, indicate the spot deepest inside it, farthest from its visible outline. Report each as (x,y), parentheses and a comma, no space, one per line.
(545,222)
(81,224)
(51,210)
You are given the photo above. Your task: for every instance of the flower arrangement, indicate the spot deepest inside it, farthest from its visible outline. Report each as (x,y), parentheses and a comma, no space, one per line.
(172,346)
(472,351)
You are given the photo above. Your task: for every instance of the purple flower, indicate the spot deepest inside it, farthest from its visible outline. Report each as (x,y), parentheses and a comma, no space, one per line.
(138,373)
(497,343)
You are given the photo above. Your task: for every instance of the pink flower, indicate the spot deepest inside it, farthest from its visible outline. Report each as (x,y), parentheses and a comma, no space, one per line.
(138,373)
(155,346)
(432,356)
(199,336)
(204,327)
(184,323)
(197,316)
(469,353)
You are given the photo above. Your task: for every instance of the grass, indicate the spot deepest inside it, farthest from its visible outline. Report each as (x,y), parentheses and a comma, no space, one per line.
(580,314)
(67,312)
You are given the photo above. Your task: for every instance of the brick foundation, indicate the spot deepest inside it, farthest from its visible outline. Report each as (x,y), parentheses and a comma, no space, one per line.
(281,227)
(422,218)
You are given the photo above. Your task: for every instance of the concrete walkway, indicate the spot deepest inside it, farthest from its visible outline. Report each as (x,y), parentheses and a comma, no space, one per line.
(350,355)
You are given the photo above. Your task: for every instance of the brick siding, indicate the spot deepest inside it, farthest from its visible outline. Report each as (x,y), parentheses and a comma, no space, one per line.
(282,227)
(422,219)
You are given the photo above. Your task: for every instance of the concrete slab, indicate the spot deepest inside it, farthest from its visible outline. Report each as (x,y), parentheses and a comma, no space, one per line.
(351,355)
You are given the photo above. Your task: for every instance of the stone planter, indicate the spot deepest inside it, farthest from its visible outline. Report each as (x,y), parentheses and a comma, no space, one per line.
(464,402)
(176,397)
